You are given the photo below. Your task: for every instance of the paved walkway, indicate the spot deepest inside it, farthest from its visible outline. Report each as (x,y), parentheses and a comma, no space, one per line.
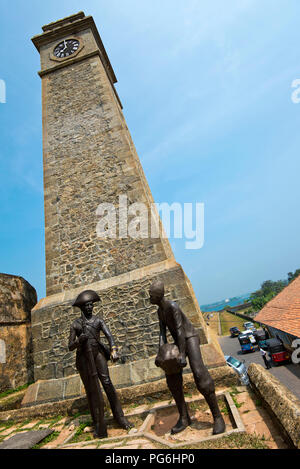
(257,420)
(152,429)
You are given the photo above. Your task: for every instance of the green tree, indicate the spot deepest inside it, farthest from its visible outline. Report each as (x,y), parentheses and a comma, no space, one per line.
(292,276)
(268,290)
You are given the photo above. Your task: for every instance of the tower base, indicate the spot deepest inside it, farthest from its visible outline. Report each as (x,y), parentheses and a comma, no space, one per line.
(125,307)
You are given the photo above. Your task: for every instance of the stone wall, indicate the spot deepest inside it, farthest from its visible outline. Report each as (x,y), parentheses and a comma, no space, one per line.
(241,315)
(127,311)
(129,390)
(17,298)
(282,403)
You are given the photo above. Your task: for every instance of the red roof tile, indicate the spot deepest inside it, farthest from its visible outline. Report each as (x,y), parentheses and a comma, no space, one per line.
(283,311)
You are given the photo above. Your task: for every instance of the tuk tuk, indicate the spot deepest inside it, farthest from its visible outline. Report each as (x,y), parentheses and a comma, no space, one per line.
(277,351)
(246,343)
(261,338)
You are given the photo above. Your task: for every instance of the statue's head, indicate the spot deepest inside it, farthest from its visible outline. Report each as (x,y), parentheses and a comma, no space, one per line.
(156,292)
(85,301)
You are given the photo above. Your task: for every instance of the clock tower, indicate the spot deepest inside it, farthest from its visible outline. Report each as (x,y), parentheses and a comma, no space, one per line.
(89,158)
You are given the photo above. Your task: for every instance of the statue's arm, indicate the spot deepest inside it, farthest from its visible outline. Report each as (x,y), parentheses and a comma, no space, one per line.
(162,333)
(107,334)
(177,316)
(73,339)
(162,336)
(113,348)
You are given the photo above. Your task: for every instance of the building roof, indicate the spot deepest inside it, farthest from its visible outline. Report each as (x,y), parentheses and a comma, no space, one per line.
(283,311)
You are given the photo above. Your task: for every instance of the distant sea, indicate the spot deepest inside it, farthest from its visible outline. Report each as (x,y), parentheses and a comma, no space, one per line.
(219,305)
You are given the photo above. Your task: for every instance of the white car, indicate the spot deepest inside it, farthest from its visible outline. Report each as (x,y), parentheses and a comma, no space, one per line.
(249,326)
(239,368)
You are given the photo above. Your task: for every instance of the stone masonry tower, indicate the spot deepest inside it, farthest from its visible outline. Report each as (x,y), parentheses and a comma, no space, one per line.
(89,158)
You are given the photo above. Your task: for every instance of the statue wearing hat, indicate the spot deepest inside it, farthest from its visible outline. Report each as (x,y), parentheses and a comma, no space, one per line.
(91,362)
(172,358)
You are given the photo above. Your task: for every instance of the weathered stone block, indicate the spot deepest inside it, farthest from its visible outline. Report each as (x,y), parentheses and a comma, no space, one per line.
(142,371)
(282,402)
(72,387)
(30,395)
(17,298)
(120,375)
(49,391)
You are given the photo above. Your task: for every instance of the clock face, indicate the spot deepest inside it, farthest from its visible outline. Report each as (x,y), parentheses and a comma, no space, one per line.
(66,48)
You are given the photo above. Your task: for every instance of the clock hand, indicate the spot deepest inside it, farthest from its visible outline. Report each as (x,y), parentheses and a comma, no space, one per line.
(64,47)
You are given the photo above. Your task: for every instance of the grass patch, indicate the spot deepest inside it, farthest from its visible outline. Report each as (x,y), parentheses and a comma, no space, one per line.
(233,441)
(236,403)
(12,391)
(79,435)
(224,410)
(228,320)
(46,440)
(233,392)
(49,422)
(79,414)
(200,405)
(134,405)
(55,420)
(194,406)
(7,424)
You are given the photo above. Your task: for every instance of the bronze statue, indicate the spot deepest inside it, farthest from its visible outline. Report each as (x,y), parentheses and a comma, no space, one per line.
(187,343)
(91,362)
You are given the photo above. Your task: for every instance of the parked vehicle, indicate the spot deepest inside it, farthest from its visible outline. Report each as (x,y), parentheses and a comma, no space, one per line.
(249,325)
(261,338)
(277,351)
(250,334)
(239,367)
(247,342)
(234,331)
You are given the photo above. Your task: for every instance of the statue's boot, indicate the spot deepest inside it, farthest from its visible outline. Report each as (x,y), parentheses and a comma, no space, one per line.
(219,424)
(124,423)
(96,406)
(116,407)
(100,430)
(175,386)
(181,425)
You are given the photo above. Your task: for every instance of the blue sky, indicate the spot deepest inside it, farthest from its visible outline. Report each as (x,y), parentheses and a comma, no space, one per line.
(206,90)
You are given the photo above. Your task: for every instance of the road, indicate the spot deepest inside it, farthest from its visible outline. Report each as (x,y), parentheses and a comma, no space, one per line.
(289,374)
